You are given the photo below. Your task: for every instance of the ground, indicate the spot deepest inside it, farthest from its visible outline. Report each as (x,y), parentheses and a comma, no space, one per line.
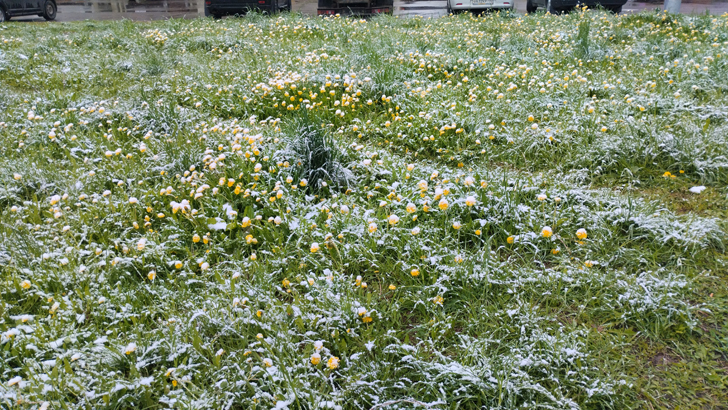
(502,212)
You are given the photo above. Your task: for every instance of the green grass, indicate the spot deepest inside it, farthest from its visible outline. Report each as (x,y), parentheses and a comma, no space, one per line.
(208,214)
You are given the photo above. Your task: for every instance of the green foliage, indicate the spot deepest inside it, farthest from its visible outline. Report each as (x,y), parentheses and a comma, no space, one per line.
(582,38)
(317,160)
(469,212)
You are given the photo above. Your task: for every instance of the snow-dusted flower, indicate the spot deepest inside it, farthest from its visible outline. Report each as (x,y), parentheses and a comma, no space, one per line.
(333,362)
(315,359)
(546,232)
(581,233)
(372,227)
(315,247)
(393,219)
(470,200)
(130,348)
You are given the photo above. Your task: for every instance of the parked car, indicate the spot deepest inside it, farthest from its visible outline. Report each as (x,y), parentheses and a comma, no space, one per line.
(354,7)
(454,6)
(219,8)
(557,6)
(15,8)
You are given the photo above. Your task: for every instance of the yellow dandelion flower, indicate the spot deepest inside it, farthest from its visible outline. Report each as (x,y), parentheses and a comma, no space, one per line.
(546,232)
(315,359)
(581,233)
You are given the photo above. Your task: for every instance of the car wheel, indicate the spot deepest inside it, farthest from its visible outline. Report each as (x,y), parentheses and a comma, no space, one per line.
(208,13)
(49,10)
(3,16)
(531,6)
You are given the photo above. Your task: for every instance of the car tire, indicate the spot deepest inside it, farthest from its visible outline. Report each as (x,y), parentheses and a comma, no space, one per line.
(49,10)
(616,9)
(216,16)
(3,15)
(531,6)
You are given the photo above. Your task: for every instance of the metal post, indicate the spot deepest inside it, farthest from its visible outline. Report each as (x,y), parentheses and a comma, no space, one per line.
(672,6)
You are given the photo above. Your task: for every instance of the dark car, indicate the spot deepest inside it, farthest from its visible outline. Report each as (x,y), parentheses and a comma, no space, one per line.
(14,8)
(219,8)
(557,6)
(354,7)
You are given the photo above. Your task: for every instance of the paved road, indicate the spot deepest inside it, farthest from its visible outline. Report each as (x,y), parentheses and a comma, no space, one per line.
(160,9)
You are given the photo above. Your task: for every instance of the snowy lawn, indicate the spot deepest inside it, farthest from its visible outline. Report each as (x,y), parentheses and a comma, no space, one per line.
(497,212)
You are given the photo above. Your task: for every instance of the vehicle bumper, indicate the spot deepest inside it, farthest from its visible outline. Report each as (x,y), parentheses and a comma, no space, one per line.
(354,11)
(485,5)
(590,4)
(238,7)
